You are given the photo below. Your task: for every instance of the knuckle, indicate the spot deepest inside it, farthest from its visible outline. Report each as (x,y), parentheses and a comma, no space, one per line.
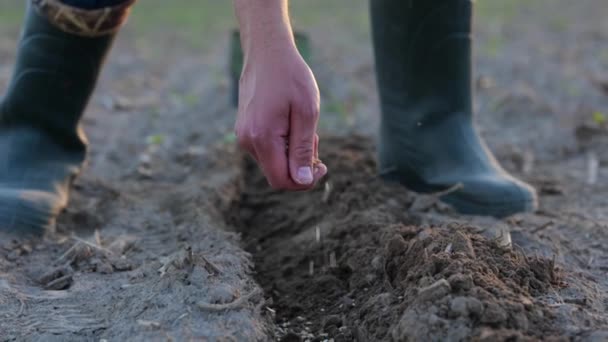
(310,115)
(250,138)
(304,150)
(257,139)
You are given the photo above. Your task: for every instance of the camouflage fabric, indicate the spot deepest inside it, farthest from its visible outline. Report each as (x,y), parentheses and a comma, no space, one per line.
(81,22)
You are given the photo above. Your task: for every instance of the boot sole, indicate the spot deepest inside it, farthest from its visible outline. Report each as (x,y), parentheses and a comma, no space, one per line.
(498,210)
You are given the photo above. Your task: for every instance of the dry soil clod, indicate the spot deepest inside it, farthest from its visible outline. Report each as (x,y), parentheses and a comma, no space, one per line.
(240,303)
(437,290)
(57,279)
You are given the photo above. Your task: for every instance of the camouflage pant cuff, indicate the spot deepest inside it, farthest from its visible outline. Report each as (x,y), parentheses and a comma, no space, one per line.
(81,22)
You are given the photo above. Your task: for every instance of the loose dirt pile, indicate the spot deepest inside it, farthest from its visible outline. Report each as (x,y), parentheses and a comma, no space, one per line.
(353,261)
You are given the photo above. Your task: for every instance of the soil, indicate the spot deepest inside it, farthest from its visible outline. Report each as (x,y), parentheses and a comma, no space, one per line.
(171,234)
(357,260)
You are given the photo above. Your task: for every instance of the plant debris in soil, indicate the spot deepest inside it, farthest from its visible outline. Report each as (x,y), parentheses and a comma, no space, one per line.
(349,262)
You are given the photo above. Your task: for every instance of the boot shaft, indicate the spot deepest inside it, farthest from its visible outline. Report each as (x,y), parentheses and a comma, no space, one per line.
(423,57)
(58,63)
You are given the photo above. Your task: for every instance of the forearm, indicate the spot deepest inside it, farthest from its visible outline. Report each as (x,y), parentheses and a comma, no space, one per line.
(265,27)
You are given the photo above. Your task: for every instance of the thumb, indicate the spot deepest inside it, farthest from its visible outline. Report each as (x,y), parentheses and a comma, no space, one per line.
(302,132)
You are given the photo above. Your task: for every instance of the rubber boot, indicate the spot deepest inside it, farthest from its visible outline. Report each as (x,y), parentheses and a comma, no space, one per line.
(42,147)
(428,141)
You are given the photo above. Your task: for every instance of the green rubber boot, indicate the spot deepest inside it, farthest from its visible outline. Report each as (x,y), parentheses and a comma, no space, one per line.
(428,141)
(41,145)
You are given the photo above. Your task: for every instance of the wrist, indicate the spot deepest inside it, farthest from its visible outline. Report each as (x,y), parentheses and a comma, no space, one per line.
(274,53)
(265,28)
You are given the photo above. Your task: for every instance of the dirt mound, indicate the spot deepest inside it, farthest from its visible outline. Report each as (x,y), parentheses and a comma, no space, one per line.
(457,284)
(348,261)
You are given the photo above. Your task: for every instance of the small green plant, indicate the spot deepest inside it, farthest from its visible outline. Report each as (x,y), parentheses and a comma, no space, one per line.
(156,139)
(191,99)
(229,138)
(599,118)
(493,46)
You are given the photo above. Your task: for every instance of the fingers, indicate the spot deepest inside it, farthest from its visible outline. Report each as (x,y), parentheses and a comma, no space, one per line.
(271,155)
(302,135)
(272,158)
(319,169)
(316,148)
(285,149)
(269,152)
(246,143)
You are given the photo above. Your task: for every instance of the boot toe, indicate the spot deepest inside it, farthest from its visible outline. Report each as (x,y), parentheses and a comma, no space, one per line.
(498,196)
(27,211)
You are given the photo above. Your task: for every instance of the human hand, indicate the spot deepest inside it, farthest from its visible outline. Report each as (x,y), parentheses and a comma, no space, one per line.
(277,119)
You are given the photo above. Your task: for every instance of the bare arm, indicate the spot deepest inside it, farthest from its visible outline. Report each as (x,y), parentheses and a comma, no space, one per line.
(265,26)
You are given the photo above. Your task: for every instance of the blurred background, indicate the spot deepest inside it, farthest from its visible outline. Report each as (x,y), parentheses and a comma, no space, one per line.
(557,44)
(541,71)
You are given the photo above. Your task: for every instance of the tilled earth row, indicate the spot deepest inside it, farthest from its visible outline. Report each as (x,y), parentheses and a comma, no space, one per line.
(360,260)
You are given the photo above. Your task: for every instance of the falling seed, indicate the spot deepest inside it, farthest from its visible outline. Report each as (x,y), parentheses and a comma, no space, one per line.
(332,260)
(327,192)
(448,249)
(592,168)
(98,237)
(504,239)
(311,268)
(318,234)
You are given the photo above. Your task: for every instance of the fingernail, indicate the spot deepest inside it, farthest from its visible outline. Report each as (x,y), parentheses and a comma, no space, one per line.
(304,175)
